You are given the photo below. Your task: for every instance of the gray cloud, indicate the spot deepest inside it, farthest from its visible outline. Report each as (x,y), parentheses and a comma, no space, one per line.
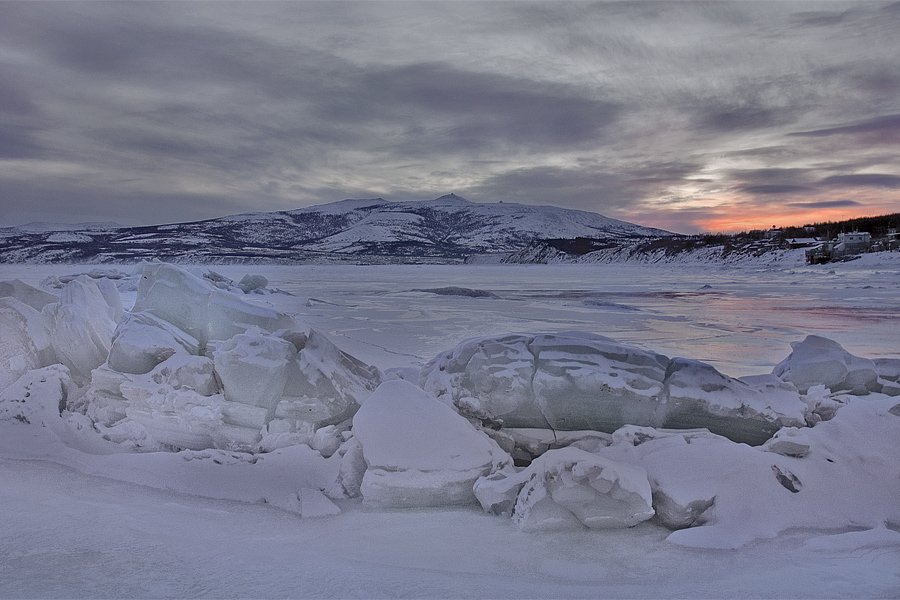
(587,187)
(822,18)
(628,108)
(19,142)
(485,108)
(774,189)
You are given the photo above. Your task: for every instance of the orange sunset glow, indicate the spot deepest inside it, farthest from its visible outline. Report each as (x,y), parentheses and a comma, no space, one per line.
(753,218)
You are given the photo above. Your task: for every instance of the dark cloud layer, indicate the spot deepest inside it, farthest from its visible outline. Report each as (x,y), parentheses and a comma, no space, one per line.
(673,114)
(826,204)
(887,126)
(864,180)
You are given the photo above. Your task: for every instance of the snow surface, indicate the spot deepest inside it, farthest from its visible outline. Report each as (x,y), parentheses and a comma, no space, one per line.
(811,513)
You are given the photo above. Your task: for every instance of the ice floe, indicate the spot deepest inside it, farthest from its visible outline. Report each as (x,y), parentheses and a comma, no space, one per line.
(573,380)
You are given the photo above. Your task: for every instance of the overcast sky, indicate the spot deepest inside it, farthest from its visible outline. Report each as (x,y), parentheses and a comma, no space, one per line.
(687,116)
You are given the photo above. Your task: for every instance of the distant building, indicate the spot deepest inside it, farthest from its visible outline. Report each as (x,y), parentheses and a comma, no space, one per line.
(802,242)
(853,243)
(847,245)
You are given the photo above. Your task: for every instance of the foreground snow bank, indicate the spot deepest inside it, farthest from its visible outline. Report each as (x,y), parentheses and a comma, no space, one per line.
(573,380)
(848,475)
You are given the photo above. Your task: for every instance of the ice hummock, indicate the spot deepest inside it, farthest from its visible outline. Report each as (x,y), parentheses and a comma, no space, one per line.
(196,367)
(582,381)
(38,329)
(820,361)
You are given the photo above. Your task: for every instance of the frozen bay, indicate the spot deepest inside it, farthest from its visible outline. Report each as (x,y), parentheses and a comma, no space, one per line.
(70,531)
(740,319)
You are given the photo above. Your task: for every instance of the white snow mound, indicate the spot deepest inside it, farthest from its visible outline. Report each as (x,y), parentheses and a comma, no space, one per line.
(842,473)
(418,451)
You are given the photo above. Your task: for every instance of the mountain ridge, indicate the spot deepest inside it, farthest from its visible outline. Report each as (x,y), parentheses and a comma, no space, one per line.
(445,229)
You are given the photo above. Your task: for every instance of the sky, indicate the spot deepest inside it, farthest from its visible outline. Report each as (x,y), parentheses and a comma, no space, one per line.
(692,117)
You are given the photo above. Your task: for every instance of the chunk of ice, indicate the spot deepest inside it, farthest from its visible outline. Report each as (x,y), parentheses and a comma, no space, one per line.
(251,283)
(253,368)
(820,361)
(199,308)
(574,381)
(142,341)
(82,325)
(25,342)
(30,295)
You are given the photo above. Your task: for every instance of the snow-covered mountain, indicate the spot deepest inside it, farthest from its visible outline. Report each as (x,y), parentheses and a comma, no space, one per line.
(446,229)
(41,226)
